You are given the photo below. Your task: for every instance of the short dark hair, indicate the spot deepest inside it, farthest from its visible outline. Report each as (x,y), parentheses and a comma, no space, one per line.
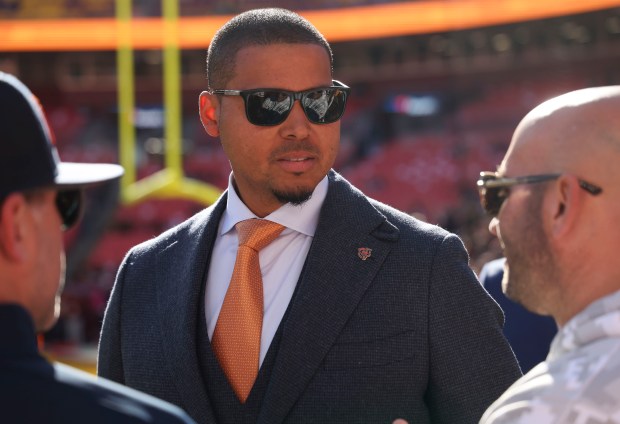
(258,27)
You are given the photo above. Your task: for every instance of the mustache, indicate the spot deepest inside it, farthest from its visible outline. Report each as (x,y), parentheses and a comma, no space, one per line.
(295,146)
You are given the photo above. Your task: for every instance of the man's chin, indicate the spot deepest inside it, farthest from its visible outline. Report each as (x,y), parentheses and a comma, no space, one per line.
(295,194)
(514,290)
(505,278)
(295,197)
(48,319)
(508,287)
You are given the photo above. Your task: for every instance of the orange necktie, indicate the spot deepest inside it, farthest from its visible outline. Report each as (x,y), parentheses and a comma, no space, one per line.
(236,339)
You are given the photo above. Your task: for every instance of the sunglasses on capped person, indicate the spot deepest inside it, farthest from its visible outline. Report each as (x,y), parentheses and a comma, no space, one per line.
(271,106)
(69,205)
(493,189)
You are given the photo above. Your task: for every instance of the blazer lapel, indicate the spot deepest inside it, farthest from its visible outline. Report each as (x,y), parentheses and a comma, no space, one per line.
(351,242)
(182,270)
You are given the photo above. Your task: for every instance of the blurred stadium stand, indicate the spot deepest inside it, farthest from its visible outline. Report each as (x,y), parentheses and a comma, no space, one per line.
(426,114)
(35,9)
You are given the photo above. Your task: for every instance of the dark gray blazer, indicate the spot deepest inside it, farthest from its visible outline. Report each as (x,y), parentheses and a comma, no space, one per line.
(408,332)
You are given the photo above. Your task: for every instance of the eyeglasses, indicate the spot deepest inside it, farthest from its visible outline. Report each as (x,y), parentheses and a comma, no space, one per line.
(69,205)
(493,189)
(271,106)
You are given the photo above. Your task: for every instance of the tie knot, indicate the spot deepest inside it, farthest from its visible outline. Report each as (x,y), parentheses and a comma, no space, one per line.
(257,233)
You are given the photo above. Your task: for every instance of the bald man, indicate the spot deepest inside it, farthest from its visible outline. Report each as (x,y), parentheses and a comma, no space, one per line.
(555,203)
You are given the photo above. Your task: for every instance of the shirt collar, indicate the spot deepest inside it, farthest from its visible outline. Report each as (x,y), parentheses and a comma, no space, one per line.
(302,218)
(601,319)
(16,332)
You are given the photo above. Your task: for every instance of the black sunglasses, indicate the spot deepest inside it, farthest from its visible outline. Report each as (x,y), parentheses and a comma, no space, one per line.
(271,106)
(494,189)
(69,205)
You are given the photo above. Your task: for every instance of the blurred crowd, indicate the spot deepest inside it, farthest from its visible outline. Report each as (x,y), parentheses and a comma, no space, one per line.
(32,9)
(426,115)
(423,165)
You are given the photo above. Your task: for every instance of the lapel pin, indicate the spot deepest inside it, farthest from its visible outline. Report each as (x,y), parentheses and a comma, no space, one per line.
(364,252)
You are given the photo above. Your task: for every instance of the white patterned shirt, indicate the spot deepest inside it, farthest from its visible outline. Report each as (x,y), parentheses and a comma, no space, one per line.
(579,382)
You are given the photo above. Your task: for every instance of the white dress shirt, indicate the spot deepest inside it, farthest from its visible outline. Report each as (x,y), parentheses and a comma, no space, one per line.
(280,262)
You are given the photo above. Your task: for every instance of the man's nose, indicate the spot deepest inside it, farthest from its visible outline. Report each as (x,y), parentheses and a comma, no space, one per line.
(296,125)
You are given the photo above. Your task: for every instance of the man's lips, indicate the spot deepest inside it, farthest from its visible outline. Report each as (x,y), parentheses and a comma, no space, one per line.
(297,163)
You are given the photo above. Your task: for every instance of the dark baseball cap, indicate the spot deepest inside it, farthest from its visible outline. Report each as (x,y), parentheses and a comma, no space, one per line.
(28,156)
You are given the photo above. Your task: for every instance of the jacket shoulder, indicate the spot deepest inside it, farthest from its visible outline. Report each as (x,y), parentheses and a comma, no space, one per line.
(182,231)
(346,197)
(410,226)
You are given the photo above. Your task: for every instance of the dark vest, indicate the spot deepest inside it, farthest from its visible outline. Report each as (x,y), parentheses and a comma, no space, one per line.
(226,407)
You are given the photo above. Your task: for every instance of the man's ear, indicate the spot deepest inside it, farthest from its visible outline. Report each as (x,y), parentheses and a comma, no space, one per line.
(565,206)
(208,109)
(13,227)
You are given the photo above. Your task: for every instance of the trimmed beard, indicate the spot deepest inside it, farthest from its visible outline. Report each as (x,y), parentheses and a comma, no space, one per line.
(529,276)
(294,198)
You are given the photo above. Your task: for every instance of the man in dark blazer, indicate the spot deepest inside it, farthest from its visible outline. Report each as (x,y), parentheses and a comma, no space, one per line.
(369,314)
(39,195)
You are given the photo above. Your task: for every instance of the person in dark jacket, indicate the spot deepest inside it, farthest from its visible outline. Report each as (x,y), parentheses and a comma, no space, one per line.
(358,312)
(39,197)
